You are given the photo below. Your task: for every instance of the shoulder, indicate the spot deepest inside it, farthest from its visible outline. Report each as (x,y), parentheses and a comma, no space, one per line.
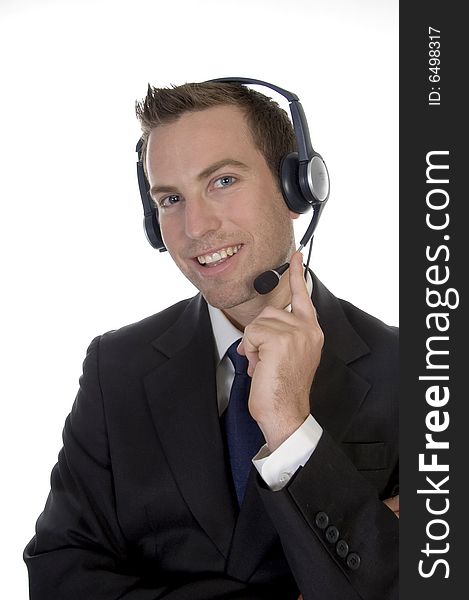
(132,346)
(350,332)
(374,331)
(382,361)
(149,328)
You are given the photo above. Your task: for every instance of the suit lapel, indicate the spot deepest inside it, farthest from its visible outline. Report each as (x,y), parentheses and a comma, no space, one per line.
(336,395)
(337,391)
(182,397)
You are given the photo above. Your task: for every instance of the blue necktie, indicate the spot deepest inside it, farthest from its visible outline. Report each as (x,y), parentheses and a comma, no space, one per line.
(243,436)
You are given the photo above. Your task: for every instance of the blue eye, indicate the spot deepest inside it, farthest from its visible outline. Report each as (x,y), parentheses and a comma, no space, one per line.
(168,201)
(224,181)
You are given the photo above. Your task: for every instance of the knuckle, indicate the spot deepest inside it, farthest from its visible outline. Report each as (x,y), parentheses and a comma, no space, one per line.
(318,334)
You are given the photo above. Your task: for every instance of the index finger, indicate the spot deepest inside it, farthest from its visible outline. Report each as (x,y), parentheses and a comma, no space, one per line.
(300,299)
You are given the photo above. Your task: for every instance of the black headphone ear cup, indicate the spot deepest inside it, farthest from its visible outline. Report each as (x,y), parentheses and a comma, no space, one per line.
(153,231)
(289,177)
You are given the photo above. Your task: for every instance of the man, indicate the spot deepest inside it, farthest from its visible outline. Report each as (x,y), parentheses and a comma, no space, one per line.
(150,498)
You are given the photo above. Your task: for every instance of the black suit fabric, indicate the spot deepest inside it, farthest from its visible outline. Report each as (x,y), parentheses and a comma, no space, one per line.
(142,506)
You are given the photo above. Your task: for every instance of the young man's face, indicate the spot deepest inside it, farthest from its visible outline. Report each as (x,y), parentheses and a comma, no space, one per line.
(222,216)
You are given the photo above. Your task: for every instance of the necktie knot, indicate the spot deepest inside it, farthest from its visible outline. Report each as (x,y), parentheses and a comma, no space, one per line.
(240,363)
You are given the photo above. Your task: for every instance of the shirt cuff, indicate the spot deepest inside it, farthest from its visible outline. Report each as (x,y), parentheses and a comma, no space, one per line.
(277,468)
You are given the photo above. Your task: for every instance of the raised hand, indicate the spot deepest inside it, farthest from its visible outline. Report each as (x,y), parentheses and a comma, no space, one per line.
(284,350)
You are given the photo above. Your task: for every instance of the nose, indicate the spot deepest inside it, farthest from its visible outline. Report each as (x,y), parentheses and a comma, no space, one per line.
(201,217)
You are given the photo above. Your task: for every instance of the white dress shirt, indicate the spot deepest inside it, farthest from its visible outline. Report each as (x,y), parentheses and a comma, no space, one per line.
(276,468)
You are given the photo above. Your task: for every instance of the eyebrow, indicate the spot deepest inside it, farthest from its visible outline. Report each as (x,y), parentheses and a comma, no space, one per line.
(226,162)
(220,164)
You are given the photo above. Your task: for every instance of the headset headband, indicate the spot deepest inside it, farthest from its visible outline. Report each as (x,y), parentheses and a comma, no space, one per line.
(300,124)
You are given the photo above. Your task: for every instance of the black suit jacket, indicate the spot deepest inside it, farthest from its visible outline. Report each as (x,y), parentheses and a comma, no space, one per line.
(141,504)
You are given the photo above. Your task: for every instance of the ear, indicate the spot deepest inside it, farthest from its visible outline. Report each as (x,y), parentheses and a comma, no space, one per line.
(293,215)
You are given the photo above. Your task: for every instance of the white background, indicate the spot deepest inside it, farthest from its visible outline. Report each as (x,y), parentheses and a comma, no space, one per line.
(74,260)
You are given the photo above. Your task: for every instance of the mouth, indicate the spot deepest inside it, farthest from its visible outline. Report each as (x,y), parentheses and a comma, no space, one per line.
(217,257)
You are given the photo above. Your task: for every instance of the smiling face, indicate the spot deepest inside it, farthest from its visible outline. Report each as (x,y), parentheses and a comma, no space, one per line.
(222,216)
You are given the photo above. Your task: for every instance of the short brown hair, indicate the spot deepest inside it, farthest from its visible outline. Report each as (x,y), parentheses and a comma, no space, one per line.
(269,124)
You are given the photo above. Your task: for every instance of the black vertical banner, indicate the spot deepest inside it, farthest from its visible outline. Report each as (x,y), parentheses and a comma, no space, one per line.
(434,257)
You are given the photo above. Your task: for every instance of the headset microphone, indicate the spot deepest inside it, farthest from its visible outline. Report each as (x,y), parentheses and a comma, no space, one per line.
(268,280)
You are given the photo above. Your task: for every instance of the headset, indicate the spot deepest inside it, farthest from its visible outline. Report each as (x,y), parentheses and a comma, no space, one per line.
(304,181)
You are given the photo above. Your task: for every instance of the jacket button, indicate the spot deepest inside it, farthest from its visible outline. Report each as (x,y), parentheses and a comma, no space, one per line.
(332,534)
(353,561)
(322,520)
(342,548)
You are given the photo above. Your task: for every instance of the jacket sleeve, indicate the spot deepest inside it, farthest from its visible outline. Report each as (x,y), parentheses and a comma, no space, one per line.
(339,538)
(79,551)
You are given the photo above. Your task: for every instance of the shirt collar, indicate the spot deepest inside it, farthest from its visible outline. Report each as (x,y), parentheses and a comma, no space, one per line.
(225,333)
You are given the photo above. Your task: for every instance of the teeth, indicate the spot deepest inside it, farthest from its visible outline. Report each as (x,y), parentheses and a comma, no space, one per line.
(218,255)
